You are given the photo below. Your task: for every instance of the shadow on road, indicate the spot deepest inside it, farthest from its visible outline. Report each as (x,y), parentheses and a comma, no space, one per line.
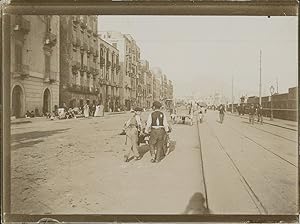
(29,139)
(196,205)
(143,149)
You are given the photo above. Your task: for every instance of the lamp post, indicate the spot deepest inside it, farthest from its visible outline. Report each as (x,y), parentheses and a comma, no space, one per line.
(272,90)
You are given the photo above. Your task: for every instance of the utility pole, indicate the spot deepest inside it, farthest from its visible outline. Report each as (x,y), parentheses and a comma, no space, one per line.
(260,54)
(232,96)
(277,85)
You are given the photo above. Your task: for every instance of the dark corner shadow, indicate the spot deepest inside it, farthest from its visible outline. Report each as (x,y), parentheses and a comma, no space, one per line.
(196,205)
(31,138)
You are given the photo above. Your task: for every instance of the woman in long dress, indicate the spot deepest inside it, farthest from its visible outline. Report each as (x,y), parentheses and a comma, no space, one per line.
(101,110)
(97,111)
(86,110)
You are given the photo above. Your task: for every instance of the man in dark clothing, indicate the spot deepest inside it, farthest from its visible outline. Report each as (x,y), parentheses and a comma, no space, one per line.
(260,114)
(251,114)
(221,113)
(157,126)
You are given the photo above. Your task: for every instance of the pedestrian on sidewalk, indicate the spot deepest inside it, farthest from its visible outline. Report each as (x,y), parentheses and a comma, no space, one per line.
(260,114)
(251,114)
(157,126)
(221,113)
(132,128)
(86,110)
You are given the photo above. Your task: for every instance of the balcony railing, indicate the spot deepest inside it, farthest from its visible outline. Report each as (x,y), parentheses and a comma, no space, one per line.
(50,76)
(89,29)
(76,20)
(96,53)
(21,25)
(22,70)
(50,39)
(78,42)
(102,62)
(108,64)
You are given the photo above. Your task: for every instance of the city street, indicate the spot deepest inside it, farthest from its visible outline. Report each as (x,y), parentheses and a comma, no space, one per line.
(76,167)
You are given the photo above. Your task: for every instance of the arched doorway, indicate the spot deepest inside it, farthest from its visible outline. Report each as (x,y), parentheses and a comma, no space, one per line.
(17,96)
(47,101)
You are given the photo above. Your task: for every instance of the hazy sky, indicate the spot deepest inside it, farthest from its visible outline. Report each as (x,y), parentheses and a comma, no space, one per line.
(201,54)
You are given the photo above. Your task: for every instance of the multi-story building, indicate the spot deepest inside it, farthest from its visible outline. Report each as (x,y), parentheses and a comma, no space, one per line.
(80,63)
(34,64)
(148,84)
(110,82)
(130,67)
(169,94)
(145,84)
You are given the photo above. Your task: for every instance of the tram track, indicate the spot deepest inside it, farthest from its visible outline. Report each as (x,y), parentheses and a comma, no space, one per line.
(271,133)
(263,147)
(202,167)
(255,199)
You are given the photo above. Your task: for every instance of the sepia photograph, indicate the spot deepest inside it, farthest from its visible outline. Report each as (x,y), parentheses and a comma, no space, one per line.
(153,115)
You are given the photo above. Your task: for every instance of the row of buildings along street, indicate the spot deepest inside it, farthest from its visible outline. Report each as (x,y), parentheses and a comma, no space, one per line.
(66,60)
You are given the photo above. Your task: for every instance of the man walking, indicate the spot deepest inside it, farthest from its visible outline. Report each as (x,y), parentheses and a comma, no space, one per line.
(157,126)
(132,128)
(221,113)
(251,114)
(260,114)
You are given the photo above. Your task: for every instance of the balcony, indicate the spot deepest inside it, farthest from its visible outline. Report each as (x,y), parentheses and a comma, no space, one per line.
(108,64)
(85,46)
(89,29)
(50,39)
(76,20)
(95,34)
(96,53)
(78,42)
(84,68)
(22,71)
(83,23)
(21,25)
(90,50)
(102,62)
(50,77)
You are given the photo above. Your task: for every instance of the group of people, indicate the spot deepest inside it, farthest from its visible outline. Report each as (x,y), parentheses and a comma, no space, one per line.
(253,110)
(156,127)
(93,110)
(258,111)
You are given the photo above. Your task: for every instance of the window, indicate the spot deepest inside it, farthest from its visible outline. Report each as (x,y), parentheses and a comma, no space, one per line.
(47,64)
(18,54)
(81,59)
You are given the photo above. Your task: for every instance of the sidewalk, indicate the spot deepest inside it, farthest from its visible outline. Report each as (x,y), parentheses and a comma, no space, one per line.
(292,125)
(16,121)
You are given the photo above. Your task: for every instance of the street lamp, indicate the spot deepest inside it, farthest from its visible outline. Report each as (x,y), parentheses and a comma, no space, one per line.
(272,90)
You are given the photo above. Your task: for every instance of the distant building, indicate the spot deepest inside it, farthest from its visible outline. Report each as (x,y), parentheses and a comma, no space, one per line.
(110,78)
(34,64)
(130,65)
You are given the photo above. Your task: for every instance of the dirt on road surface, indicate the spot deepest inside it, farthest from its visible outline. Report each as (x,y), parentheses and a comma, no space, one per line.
(76,167)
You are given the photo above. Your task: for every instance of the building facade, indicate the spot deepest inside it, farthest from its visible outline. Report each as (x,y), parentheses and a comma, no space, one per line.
(131,91)
(80,63)
(110,81)
(35,64)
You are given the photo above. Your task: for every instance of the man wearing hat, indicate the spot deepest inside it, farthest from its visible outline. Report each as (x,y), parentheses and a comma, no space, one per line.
(132,128)
(157,125)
